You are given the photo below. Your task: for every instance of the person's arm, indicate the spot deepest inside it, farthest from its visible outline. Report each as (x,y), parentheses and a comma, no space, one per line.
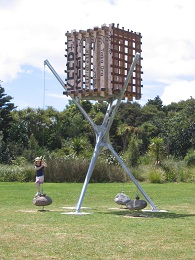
(44,163)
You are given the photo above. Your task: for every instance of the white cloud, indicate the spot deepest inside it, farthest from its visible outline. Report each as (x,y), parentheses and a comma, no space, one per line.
(34,30)
(177,91)
(54,95)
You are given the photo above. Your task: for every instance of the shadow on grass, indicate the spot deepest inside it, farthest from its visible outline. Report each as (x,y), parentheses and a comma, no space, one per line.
(142,214)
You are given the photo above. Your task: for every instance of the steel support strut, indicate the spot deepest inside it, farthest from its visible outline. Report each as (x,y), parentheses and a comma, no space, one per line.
(102,140)
(102,134)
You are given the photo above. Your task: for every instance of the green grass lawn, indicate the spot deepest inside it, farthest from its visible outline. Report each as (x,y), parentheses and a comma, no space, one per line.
(109,232)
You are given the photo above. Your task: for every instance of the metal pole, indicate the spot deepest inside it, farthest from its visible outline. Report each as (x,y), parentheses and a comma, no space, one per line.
(46,62)
(88,176)
(132,177)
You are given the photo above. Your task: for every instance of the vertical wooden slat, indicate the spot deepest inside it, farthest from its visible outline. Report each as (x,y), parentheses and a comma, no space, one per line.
(103,62)
(87,63)
(110,60)
(71,53)
(79,62)
(96,62)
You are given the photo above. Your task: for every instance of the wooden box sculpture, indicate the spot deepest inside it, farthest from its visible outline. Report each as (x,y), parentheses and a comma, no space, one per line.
(98,61)
(103,64)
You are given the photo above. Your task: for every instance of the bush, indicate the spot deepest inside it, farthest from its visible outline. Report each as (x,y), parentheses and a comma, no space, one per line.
(189,159)
(72,168)
(16,173)
(132,154)
(140,173)
(175,171)
(145,159)
(156,175)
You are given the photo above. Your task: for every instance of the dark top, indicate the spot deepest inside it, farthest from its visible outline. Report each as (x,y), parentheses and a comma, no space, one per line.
(39,172)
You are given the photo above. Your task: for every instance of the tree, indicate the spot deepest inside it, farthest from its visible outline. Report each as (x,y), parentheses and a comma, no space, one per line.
(125,131)
(179,130)
(5,113)
(133,152)
(130,113)
(149,113)
(148,131)
(6,120)
(157,149)
(157,102)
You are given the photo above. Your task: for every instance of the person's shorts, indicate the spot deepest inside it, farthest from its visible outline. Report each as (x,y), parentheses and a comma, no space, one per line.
(40,179)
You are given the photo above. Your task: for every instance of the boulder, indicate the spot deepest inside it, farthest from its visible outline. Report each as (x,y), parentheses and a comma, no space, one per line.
(136,204)
(121,199)
(42,201)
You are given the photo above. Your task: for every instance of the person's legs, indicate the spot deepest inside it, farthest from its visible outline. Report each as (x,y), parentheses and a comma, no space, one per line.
(39,180)
(37,183)
(38,187)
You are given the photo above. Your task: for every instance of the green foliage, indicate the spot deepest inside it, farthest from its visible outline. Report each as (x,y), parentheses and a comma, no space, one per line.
(130,113)
(133,152)
(31,131)
(109,158)
(72,168)
(189,159)
(77,145)
(156,175)
(33,150)
(5,112)
(179,129)
(6,120)
(145,159)
(19,161)
(148,131)
(176,171)
(169,170)
(157,149)
(124,131)
(157,102)
(21,173)
(80,145)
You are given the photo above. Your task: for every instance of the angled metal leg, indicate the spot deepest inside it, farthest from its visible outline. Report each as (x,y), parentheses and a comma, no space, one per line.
(131,176)
(97,150)
(100,132)
(102,140)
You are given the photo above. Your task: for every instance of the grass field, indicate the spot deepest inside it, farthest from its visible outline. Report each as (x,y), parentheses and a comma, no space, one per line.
(109,232)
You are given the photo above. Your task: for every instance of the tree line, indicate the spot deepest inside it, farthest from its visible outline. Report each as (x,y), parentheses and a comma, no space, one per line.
(164,130)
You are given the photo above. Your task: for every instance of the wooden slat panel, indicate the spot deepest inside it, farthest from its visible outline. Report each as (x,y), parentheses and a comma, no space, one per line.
(98,61)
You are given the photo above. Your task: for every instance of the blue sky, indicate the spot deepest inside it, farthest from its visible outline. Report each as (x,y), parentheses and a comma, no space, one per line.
(34,30)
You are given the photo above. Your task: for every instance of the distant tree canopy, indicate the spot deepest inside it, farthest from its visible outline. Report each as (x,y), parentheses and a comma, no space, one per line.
(5,112)
(48,130)
(6,121)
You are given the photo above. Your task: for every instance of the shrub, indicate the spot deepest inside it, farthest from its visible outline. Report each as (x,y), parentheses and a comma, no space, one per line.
(156,175)
(175,170)
(72,168)
(140,172)
(16,173)
(145,159)
(189,159)
(132,154)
